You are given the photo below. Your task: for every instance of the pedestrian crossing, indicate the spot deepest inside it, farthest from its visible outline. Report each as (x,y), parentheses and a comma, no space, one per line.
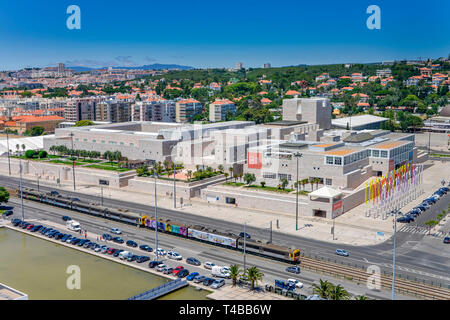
(413,229)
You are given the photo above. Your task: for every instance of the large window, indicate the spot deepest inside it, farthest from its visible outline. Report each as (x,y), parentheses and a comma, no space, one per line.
(376,153)
(337,161)
(384,154)
(329,160)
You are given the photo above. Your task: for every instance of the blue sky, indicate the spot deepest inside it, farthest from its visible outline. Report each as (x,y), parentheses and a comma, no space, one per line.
(203,33)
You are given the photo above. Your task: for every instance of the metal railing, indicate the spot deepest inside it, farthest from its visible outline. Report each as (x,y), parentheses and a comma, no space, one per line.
(161,290)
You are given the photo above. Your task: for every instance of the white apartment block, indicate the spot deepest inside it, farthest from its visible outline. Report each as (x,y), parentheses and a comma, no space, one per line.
(219,109)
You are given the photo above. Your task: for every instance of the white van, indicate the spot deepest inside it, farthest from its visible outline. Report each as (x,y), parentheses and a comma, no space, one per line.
(221,272)
(125,255)
(73,225)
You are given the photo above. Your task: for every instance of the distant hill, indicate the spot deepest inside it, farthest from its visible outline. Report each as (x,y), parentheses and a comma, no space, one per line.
(156,66)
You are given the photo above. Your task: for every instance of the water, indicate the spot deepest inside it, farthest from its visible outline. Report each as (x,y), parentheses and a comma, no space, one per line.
(38,268)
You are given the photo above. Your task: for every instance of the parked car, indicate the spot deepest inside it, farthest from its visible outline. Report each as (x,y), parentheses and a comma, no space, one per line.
(293,269)
(153,264)
(82,242)
(193,261)
(7,213)
(145,248)
(447,240)
(15,222)
(54,193)
(117,240)
(244,234)
(36,228)
(342,252)
(208,265)
(142,259)
(177,270)
(98,248)
(161,267)
(115,231)
(218,283)
(104,249)
(208,281)
(66,218)
(199,279)
(168,270)
(59,236)
(295,283)
(107,236)
(132,243)
(174,255)
(160,252)
(133,257)
(192,276)
(110,251)
(117,252)
(183,273)
(29,226)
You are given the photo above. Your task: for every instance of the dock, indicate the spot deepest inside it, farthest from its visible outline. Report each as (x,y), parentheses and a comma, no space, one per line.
(161,290)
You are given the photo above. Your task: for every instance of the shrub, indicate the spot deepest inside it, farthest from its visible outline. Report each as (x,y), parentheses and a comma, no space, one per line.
(29,154)
(43,154)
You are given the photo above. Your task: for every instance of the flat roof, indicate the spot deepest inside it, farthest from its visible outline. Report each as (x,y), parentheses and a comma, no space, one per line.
(390,145)
(357,121)
(284,123)
(341,152)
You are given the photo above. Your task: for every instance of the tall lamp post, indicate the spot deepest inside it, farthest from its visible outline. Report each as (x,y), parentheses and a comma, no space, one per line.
(7,146)
(20,185)
(297,155)
(174,188)
(393,259)
(73,162)
(156,219)
(245,238)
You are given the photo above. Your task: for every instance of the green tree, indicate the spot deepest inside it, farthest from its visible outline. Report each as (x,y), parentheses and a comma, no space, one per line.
(4,195)
(84,123)
(30,154)
(36,131)
(235,272)
(338,293)
(284,183)
(263,184)
(323,288)
(249,178)
(254,275)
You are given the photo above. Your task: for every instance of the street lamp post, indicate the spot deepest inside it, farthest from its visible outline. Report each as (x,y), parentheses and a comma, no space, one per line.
(174,188)
(394,253)
(73,162)
(7,146)
(20,186)
(37,182)
(297,155)
(101,187)
(245,237)
(156,219)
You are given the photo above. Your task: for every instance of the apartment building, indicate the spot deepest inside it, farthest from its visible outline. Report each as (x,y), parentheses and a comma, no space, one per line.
(219,109)
(312,110)
(187,109)
(113,111)
(160,110)
(82,109)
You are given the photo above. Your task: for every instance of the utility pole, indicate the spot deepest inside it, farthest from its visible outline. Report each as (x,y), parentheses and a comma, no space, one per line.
(7,146)
(101,187)
(174,188)
(429,141)
(393,262)
(38,182)
(73,163)
(270,231)
(297,155)
(245,237)
(20,186)
(156,220)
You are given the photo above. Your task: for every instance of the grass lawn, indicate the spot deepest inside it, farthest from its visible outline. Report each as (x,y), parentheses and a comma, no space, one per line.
(266,188)
(439,155)
(107,166)
(234,184)
(77,163)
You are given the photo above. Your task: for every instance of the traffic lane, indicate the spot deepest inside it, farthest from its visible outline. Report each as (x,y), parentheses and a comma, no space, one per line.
(369,254)
(167,242)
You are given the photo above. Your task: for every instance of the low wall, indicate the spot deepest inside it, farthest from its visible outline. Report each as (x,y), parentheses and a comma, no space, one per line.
(53,172)
(256,199)
(165,187)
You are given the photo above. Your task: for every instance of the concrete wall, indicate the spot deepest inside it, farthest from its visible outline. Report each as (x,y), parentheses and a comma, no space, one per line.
(53,172)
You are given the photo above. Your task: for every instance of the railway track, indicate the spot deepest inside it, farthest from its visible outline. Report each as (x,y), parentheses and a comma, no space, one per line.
(402,286)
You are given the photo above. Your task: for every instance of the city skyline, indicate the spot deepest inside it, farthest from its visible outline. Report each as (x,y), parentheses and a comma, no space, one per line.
(36,35)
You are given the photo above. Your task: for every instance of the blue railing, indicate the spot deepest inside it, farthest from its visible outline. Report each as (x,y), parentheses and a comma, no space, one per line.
(161,290)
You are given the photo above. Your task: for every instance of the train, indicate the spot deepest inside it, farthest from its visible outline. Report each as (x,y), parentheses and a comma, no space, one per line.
(188,231)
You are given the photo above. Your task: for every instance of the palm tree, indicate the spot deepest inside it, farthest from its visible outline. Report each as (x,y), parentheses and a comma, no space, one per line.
(230,169)
(220,167)
(23,148)
(338,293)
(226,176)
(323,288)
(311,181)
(235,272)
(189,174)
(254,275)
(18,148)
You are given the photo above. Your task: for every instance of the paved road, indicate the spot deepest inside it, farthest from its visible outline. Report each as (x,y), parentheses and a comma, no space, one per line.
(432,267)
(220,256)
